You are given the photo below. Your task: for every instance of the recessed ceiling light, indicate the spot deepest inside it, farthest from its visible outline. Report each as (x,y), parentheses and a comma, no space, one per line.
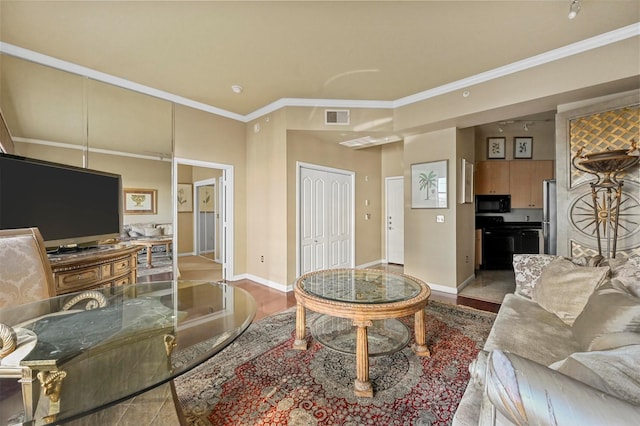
(237,88)
(466,94)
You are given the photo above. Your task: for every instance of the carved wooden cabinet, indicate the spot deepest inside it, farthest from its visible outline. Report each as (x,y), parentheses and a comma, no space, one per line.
(100,267)
(492,177)
(525,177)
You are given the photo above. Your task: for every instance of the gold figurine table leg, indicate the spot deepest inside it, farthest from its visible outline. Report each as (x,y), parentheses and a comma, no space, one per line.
(300,343)
(420,347)
(362,384)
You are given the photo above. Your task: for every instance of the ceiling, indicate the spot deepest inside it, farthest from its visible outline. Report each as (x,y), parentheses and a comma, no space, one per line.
(351,50)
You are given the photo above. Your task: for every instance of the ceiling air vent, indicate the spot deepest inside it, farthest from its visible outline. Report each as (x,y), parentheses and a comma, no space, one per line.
(336,116)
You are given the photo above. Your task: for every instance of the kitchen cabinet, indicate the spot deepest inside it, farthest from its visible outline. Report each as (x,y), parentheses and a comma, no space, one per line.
(525,182)
(478,257)
(492,177)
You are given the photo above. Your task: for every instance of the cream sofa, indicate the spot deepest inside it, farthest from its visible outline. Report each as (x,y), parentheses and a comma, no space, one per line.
(564,349)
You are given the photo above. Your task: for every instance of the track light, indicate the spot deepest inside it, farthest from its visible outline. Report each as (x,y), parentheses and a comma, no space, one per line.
(574,9)
(526,127)
(500,129)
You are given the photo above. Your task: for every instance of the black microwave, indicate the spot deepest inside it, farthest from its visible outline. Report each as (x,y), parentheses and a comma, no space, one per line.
(493,203)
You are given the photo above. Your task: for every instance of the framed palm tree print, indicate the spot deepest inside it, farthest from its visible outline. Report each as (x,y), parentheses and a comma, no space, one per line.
(429,185)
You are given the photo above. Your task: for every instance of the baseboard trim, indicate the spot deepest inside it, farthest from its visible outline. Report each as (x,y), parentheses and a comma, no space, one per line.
(271,284)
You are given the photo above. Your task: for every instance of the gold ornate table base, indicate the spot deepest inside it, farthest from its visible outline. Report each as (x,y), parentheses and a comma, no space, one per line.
(362,315)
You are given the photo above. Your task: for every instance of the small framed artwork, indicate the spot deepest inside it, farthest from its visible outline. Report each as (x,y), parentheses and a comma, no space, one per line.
(140,201)
(466,181)
(205,198)
(522,147)
(496,148)
(429,185)
(185,197)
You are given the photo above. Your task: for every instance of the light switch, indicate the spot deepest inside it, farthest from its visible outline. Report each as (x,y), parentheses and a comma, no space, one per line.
(440,218)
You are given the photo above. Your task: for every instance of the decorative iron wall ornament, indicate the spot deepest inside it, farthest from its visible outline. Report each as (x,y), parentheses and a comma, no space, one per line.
(608,209)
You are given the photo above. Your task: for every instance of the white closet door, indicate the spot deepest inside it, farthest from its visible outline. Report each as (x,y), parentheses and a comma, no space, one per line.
(325,220)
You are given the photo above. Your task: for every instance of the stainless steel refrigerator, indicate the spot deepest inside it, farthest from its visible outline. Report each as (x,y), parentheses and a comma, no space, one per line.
(549,216)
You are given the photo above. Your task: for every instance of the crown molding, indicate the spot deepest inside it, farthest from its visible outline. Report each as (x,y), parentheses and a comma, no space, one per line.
(41,59)
(585,45)
(158,156)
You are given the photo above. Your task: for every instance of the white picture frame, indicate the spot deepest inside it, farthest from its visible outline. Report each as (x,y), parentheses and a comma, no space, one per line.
(523,147)
(429,185)
(466,182)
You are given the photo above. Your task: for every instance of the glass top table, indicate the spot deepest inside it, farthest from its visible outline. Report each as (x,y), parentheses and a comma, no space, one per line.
(363,296)
(96,348)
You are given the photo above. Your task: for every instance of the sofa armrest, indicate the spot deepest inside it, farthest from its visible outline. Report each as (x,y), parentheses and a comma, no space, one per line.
(526,392)
(478,369)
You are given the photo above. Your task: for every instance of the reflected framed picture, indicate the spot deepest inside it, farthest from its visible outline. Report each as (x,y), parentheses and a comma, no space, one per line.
(466,182)
(185,197)
(522,147)
(496,148)
(205,198)
(140,201)
(429,185)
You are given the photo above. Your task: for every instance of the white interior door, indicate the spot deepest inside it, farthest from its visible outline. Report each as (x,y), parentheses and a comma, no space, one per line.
(395,219)
(326,219)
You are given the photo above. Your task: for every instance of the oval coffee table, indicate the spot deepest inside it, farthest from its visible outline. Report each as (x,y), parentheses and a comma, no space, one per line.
(362,295)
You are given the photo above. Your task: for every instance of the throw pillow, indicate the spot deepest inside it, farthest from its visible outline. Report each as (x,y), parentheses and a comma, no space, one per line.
(610,318)
(528,269)
(564,288)
(152,232)
(627,271)
(614,371)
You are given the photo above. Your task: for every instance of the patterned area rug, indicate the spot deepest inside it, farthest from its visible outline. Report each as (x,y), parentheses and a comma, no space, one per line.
(261,380)
(161,264)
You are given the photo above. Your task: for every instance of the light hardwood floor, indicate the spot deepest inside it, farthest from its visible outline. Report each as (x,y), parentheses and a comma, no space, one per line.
(271,301)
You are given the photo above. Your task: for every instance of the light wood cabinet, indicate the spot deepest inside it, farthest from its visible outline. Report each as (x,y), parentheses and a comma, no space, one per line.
(93,268)
(478,260)
(492,177)
(525,182)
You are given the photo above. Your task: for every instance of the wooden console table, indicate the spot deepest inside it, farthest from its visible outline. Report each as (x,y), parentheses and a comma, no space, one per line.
(103,266)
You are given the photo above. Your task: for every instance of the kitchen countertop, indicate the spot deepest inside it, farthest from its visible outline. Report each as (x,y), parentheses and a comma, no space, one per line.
(527,225)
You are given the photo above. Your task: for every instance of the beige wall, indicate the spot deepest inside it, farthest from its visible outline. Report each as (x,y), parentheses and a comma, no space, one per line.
(267,219)
(202,136)
(366,163)
(465,213)
(543,134)
(430,247)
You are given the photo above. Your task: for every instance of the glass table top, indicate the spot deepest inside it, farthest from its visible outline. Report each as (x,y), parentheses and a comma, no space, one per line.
(383,336)
(365,286)
(138,337)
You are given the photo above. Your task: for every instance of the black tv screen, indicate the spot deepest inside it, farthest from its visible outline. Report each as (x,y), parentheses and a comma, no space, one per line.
(69,205)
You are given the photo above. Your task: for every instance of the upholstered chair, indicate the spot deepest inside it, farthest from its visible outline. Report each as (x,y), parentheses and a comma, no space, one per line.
(25,276)
(25,272)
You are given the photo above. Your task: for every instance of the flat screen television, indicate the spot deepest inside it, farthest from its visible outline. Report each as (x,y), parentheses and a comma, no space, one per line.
(71,206)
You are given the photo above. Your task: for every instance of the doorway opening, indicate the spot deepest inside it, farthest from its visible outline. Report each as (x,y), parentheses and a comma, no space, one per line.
(204,230)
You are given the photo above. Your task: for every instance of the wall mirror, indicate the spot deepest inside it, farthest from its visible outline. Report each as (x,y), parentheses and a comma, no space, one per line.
(63,117)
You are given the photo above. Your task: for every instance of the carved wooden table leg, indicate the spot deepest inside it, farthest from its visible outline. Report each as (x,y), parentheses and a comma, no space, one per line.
(362,384)
(420,347)
(300,343)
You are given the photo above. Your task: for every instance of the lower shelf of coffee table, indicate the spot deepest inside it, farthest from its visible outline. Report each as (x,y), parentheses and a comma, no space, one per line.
(339,334)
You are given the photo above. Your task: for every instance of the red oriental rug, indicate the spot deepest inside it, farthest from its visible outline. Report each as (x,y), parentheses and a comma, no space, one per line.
(261,380)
